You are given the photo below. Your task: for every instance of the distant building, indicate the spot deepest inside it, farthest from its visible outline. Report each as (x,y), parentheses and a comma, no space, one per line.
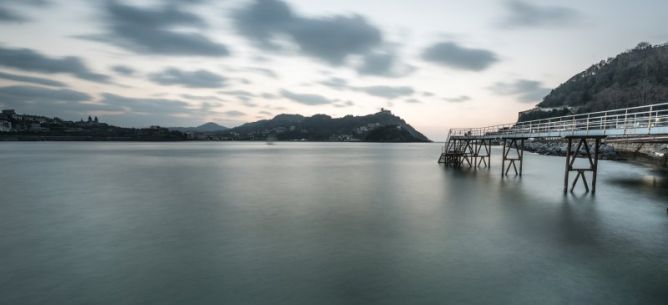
(36,126)
(5,126)
(8,112)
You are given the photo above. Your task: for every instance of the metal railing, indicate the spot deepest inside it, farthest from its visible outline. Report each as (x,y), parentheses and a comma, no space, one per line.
(625,122)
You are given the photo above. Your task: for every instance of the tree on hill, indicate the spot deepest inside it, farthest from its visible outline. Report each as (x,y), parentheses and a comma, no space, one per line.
(634,78)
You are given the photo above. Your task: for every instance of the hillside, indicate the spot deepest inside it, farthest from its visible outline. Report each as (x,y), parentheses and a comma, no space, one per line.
(379,127)
(634,78)
(204,128)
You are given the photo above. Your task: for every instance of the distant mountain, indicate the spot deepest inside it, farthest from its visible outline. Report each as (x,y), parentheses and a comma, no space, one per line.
(204,128)
(379,127)
(634,78)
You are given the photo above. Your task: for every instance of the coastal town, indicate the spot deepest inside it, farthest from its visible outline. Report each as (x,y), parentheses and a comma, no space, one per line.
(26,127)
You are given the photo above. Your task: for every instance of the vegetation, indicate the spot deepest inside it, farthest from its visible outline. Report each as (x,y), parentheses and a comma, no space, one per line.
(634,78)
(204,128)
(379,127)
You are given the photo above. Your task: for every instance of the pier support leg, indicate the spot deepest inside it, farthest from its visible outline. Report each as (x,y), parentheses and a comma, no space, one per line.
(510,144)
(503,158)
(452,154)
(468,151)
(568,161)
(483,153)
(595,167)
(592,157)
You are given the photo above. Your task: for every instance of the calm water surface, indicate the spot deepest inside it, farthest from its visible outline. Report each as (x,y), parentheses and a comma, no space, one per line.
(319,223)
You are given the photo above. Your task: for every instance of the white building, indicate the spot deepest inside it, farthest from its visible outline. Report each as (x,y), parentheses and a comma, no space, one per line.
(5,126)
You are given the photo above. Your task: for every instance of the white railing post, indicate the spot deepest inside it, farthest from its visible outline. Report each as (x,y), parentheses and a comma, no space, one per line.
(649,121)
(626,116)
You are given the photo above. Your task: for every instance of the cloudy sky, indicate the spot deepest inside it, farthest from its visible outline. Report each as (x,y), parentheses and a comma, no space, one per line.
(437,64)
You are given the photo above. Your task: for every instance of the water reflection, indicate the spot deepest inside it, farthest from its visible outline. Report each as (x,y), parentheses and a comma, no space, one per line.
(318,223)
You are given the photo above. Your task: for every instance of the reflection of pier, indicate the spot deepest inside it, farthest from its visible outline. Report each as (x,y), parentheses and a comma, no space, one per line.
(471,147)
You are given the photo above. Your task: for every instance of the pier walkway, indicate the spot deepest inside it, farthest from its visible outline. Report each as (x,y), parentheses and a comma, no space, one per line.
(583,133)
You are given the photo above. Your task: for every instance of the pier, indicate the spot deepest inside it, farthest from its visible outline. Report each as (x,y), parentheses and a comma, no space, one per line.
(584,133)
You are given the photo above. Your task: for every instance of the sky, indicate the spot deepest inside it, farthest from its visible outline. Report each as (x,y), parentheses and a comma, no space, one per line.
(436,64)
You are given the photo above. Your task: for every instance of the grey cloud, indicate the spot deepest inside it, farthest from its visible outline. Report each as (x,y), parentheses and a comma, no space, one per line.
(8,15)
(184,2)
(388,92)
(344,104)
(265,112)
(123,70)
(201,98)
(525,90)
(458,99)
(26,2)
(244,96)
(269,96)
(38,95)
(335,82)
(237,93)
(9,12)
(452,55)
(249,103)
(385,64)
(190,79)
(149,30)
(30,79)
(150,111)
(30,60)
(161,111)
(234,113)
(46,101)
(150,106)
(306,99)
(345,35)
(263,71)
(208,107)
(524,14)
(263,21)
(413,101)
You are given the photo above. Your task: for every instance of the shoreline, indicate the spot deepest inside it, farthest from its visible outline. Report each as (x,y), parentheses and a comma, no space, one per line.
(654,156)
(111,140)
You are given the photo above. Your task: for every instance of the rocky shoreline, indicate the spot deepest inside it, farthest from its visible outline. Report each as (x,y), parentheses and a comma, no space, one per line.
(656,154)
(607,152)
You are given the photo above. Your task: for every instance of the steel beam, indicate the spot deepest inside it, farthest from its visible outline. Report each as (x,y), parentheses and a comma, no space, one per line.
(592,158)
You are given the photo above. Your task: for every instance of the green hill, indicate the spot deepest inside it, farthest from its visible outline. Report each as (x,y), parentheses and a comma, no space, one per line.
(634,78)
(379,127)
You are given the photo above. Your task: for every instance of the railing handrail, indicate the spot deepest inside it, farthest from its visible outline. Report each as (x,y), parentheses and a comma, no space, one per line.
(571,116)
(638,119)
